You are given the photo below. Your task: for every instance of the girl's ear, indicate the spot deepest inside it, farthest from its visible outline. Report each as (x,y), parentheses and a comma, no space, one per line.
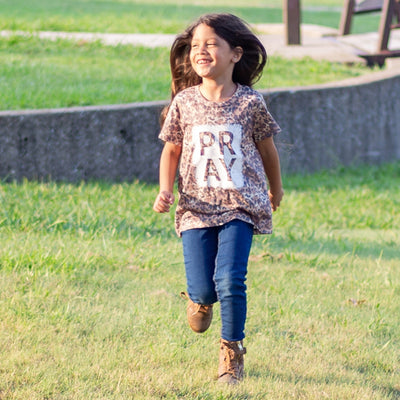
(237,54)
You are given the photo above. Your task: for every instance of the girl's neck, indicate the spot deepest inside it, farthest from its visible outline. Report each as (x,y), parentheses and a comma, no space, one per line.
(217,92)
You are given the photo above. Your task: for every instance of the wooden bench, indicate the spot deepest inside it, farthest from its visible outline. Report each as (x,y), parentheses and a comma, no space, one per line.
(352,7)
(390,10)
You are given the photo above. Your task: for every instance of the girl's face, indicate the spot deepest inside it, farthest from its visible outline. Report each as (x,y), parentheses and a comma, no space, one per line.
(211,56)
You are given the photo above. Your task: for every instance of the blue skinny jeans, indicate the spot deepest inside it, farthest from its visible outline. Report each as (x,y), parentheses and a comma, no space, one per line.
(216,261)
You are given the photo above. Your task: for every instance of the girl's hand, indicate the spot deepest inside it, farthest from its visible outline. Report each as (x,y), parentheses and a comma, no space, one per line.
(275,198)
(163,202)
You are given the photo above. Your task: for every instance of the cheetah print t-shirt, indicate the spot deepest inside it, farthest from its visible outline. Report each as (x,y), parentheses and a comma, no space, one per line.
(221,175)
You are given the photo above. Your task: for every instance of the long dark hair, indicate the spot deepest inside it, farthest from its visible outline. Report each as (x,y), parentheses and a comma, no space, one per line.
(232,29)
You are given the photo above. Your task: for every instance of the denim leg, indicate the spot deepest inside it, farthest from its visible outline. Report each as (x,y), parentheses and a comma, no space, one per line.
(199,251)
(235,239)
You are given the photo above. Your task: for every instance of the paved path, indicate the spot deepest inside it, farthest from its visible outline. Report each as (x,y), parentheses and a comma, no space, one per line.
(320,43)
(137,39)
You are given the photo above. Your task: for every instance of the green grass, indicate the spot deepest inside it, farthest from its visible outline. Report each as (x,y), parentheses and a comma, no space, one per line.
(89,305)
(90,276)
(41,74)
(155,16)
(38,73)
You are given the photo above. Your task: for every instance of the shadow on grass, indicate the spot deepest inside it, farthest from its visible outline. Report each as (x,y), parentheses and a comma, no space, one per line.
(366,380)
(337,245)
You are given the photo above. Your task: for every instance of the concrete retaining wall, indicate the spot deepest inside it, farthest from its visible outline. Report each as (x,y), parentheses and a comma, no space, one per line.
(114,143)
(350,122)
(347,123)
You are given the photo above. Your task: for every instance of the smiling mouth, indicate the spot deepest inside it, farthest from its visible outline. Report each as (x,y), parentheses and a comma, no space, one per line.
(203,61)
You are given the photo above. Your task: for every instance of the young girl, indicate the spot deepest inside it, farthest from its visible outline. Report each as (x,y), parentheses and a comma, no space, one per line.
(219,132)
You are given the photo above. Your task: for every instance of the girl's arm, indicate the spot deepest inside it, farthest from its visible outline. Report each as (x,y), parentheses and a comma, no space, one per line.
(168,166)
(270,158)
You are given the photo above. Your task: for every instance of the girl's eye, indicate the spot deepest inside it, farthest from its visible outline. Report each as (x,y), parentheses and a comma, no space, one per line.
(211,44)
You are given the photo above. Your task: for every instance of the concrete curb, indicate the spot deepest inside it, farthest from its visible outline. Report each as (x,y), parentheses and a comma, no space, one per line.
(341,123)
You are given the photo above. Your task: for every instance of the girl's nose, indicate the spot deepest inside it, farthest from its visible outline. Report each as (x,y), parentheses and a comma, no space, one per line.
(202,48)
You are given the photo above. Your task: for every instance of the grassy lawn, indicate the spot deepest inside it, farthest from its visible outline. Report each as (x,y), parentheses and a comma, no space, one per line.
(89,304)
(90,276)
(157,15)
(37,73)
(42,74)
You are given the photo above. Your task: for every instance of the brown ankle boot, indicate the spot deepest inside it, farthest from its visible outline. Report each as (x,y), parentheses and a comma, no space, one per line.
(231,362)
(199,315)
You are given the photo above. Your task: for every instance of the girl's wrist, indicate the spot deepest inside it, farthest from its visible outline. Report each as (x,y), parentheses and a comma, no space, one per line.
(165,190)
(276,189)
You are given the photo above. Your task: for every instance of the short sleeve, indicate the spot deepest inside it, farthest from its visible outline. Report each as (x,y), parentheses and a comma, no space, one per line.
(171,130)
(264,124)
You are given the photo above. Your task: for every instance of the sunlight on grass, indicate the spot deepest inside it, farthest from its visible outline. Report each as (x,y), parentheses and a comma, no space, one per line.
(90,275)
(157,16)
(90,282)
(45,74)
(42,74)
